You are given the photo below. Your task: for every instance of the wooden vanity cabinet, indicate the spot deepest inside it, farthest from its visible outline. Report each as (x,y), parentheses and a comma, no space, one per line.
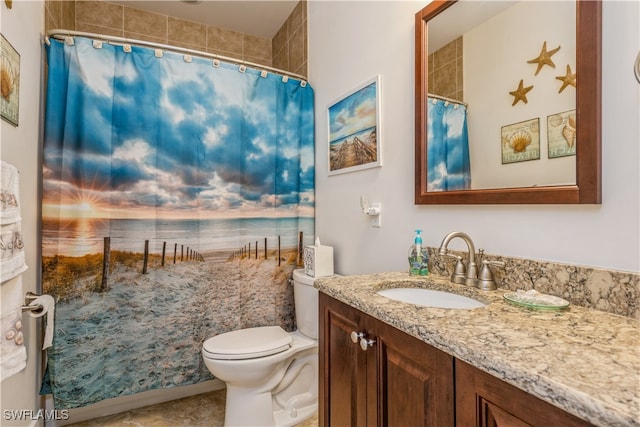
(397,381)
(343,367)
(483,400)
(402,381)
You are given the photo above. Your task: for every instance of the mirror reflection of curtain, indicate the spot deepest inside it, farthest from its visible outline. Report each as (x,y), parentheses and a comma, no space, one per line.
(448,163)
(210,166)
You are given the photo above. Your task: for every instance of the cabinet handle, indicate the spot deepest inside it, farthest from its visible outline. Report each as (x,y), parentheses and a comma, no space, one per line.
(365,343)
(355,336)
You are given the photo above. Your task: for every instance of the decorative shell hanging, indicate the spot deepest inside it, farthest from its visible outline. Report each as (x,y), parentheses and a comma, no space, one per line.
(7,79)
(519,141)
(569,131)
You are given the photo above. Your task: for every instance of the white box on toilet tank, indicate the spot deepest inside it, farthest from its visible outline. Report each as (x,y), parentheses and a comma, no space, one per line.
(318,260)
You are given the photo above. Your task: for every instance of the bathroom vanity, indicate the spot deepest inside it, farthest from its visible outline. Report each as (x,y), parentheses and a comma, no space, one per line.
(386,362)
(411,380)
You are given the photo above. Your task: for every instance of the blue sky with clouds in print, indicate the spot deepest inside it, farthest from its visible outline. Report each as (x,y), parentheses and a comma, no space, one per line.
(130,135)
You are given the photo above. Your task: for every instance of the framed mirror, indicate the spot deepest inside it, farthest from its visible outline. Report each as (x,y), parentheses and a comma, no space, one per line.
(584,184)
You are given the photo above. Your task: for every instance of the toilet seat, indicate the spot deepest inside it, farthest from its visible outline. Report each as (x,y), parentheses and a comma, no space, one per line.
(248,343)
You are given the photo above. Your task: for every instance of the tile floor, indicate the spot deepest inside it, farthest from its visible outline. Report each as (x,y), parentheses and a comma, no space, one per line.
(205,409)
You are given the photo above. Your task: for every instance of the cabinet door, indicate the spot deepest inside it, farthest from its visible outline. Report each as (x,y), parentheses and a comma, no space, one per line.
(415,381)
(485,401)
(343,384)
(397,381)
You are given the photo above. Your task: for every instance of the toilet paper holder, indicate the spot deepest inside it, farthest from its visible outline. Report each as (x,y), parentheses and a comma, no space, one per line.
(28,298)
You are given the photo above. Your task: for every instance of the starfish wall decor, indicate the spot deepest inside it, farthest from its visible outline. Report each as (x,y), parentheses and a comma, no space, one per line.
(567,80)
(544,58)
(520,94)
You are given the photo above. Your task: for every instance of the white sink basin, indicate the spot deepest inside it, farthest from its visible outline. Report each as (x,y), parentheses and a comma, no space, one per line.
(430,298)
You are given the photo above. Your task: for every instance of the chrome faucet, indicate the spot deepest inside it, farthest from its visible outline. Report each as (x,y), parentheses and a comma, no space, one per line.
(471,277)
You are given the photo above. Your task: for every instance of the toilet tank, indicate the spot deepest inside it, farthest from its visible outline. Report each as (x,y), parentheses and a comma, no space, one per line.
(305,298)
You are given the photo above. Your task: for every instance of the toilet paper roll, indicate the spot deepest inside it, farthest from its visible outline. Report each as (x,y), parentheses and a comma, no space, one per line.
(48,308)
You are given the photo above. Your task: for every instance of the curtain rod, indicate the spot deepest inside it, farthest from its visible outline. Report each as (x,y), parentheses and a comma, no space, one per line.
(60,34)
(444,98)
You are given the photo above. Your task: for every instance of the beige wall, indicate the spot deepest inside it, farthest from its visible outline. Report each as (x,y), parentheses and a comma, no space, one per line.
(286,51)
(343,55)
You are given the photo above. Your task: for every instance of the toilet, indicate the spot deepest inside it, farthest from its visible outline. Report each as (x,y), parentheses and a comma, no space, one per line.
(271,375)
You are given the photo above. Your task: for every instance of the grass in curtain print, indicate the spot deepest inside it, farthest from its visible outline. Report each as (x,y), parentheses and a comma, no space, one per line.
(121,322)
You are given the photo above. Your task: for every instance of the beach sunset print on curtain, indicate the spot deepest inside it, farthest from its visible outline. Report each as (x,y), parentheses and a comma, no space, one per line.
(205,165)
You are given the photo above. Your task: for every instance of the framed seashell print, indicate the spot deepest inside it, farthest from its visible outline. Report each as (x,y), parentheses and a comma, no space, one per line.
(561,134)
(9,81)
(521,141)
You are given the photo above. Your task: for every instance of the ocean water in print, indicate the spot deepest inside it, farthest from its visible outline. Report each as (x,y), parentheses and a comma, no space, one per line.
(83,236)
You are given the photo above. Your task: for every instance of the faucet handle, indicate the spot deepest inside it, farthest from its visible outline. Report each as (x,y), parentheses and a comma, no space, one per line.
(500,264)
(460,271)
(486,282)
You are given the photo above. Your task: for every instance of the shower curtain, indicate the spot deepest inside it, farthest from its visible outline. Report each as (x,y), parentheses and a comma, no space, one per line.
(177,193)
(448,162)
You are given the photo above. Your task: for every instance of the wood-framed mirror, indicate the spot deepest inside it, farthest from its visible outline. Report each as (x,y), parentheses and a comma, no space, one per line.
(587,186)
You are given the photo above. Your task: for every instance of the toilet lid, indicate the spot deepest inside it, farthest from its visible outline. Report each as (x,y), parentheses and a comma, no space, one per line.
(248,343)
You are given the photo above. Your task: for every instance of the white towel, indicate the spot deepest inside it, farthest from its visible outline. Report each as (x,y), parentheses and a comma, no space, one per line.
(9,194)
(13,354)
(12,260)
(11,246)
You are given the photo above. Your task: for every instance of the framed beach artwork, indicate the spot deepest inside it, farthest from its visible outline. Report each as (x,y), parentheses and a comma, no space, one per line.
(10,81)
(354,129)
(521,141)
(561,134)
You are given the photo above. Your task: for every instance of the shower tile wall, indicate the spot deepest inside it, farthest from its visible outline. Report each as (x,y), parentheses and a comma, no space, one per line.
(287,50)
(289,45)
(59,14)
(445,71)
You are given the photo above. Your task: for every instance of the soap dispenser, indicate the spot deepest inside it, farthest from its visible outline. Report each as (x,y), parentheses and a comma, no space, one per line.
(418,257)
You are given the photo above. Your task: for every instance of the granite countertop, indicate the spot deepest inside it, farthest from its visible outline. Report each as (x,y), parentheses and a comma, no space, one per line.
(584,361)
